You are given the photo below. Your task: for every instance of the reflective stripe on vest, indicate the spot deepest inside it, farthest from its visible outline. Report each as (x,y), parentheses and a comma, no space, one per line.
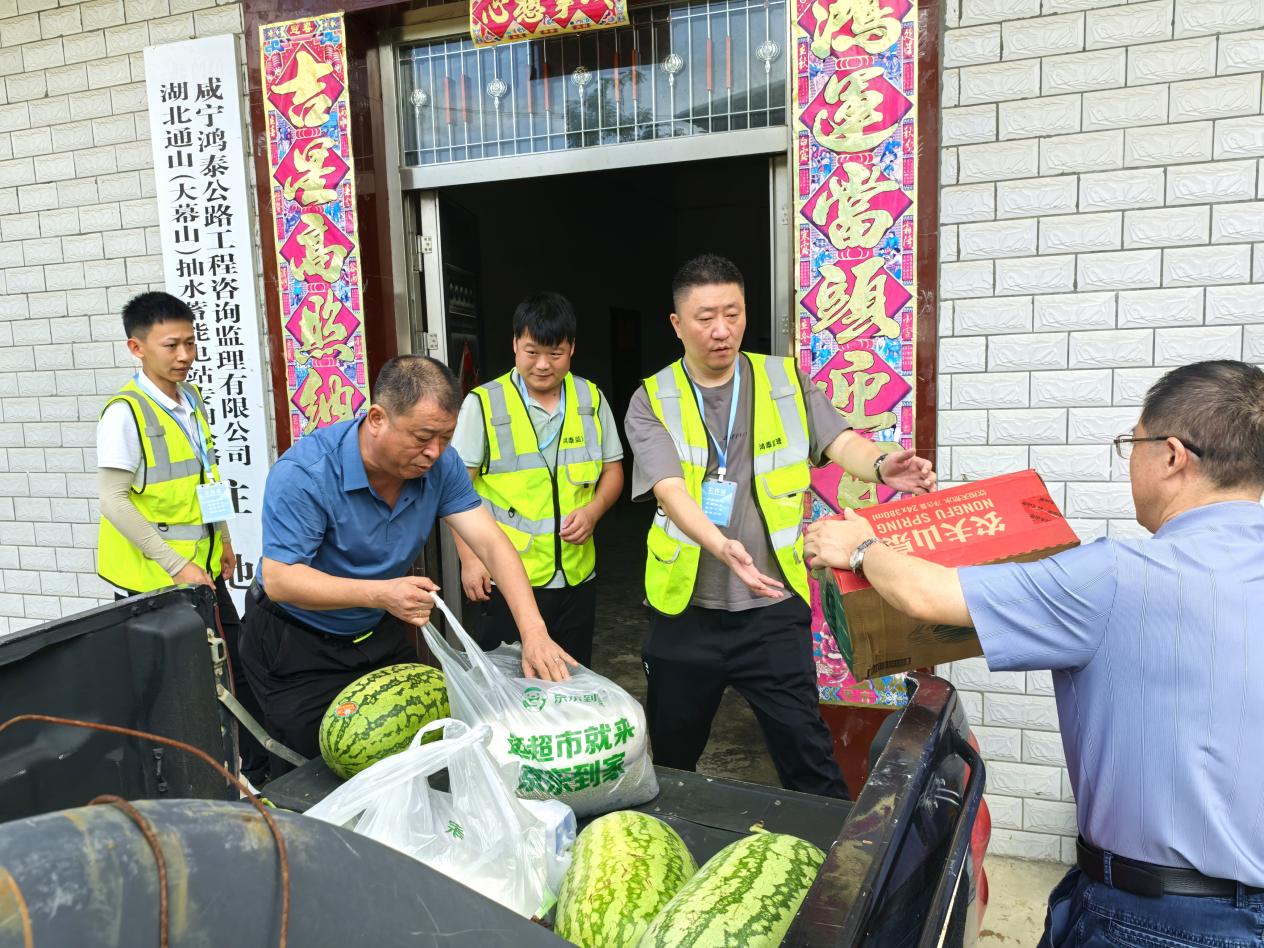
(529,501)
(158,466)
(780,475)
(165,493)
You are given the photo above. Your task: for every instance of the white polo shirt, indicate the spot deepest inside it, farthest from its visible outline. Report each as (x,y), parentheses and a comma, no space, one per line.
(118,441)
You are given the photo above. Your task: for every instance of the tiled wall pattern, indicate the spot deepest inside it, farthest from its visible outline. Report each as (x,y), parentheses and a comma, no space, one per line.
(77,240)
(1102,222)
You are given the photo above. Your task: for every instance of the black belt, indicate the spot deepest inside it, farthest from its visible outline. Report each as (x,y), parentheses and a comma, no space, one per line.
(267,605)
(1144,878)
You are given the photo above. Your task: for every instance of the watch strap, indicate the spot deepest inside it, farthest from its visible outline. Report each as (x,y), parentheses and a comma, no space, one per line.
(858,555)
(877,468)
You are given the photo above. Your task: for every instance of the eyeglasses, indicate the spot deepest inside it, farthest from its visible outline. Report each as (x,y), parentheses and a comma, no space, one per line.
(1123,445)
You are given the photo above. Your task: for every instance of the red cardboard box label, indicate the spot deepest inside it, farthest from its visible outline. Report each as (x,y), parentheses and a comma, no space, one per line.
(997,520)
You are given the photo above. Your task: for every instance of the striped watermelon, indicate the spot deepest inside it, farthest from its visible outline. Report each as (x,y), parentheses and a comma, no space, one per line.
(747,895)
(624,868)
(379,714)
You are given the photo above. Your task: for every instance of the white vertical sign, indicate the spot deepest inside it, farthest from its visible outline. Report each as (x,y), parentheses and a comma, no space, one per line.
(208,261)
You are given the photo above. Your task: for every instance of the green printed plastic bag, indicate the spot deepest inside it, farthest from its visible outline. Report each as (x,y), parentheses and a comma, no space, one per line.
(582,741)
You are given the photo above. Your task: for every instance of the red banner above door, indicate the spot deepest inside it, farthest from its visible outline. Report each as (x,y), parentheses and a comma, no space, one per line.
(493,22)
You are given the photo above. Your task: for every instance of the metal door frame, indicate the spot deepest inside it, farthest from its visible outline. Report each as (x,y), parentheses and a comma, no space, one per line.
(422,245)
(755,141)
(780,248)
(426,243)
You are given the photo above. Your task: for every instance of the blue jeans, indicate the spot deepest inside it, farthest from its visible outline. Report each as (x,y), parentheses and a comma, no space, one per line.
(1088,914)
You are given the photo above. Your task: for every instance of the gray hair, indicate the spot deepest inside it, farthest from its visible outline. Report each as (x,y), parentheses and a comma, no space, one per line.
(408,380)
(1217,408)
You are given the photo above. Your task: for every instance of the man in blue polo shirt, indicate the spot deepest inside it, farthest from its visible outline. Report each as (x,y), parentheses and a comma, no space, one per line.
(1157,661)
(346,512)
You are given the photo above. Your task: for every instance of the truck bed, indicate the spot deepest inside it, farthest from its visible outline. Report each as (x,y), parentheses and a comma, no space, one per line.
(707,812)
(896,873)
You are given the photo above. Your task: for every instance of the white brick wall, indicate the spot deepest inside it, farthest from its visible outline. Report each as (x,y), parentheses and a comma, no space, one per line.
(77,239)
(1125,140)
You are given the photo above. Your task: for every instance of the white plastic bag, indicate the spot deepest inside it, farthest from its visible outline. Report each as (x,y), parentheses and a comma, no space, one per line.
(560,830)
(582,741)
(477,833)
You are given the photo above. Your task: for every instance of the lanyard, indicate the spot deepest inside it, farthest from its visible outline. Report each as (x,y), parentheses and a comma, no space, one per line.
(721,453)
(198,443)
(561,411)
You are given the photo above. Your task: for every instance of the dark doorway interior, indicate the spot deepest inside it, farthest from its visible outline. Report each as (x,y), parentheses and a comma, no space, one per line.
(611,242)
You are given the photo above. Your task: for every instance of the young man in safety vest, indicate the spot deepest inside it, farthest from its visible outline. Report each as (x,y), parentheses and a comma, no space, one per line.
(544,454)
(724,443)
(162,499)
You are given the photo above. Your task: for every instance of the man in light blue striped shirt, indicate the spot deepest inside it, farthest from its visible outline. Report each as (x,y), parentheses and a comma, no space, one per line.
(1158,669)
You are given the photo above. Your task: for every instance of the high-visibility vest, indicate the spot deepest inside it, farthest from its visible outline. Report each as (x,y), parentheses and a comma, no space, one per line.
(165,493)
(528,500)
(780,474)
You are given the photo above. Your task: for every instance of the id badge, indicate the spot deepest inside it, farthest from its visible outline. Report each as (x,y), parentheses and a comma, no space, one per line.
(717,501)
(216,501)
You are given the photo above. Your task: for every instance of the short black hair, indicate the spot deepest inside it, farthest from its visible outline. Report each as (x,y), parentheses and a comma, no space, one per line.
(408,380)
(709,269)
(548,316)
(143,311)
(1218,407)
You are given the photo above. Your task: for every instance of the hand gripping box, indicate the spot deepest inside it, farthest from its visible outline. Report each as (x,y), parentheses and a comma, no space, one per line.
(1003,519)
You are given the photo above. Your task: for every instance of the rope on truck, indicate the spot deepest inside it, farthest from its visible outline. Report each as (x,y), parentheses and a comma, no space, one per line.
(283,861)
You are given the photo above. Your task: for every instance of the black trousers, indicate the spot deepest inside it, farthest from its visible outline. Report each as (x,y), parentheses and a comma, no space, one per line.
(296,671)
(254,759)
(766,655)
(569,613)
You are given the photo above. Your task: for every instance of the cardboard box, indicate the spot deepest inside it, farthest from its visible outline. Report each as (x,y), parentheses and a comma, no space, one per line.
(999,520)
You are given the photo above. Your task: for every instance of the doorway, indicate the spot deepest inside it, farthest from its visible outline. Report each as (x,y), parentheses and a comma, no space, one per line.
(611,242)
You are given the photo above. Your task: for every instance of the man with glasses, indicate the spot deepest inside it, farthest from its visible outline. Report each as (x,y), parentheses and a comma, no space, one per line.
(346,511)
(1124,442)
(1157,660)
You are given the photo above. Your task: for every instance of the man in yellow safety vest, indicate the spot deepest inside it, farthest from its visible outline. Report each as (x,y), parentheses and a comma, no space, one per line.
(544,454)
(163,504)
(724,442)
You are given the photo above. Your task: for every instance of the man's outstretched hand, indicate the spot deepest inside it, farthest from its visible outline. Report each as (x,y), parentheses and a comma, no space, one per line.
(742,564)
(906,472)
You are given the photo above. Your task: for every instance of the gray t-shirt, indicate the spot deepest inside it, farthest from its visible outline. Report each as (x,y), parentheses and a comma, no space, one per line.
(655,459)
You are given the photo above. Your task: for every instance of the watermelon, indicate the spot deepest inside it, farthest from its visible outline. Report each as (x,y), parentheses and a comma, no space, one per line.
(379,714)
(625,866)
(747,894)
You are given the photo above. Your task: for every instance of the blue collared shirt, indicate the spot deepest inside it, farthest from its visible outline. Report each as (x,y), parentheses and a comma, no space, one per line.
(1157,651)
(319,510)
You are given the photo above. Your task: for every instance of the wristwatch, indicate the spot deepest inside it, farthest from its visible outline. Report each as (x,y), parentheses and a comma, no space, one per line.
(877,468)
(857,561)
